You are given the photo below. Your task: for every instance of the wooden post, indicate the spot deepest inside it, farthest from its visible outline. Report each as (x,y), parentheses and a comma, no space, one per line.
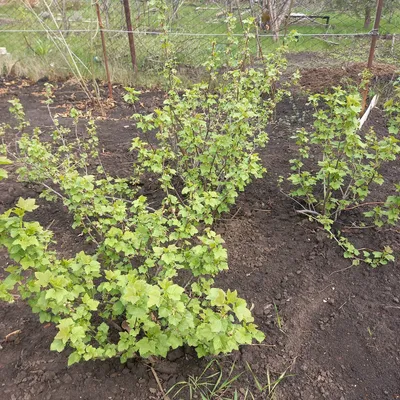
(130,33)
(103,43)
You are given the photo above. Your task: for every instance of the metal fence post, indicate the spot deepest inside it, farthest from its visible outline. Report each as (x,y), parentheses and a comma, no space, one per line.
(374,39)
(375,32)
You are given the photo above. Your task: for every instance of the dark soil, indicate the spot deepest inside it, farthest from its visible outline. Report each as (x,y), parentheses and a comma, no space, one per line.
(339,334)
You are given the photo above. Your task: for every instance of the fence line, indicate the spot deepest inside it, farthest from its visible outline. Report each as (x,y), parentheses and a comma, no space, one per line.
(345,35)
(174,33)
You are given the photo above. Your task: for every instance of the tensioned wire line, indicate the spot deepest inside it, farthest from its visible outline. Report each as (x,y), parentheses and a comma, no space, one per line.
(175,33)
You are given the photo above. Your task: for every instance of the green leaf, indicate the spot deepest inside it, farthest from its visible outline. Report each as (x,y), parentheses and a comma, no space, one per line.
(154,295)
(146,347)
(78,333)
(174,292)
(231,297)
(27,205)
(220,253)
(57,345)
(259,336)
(242,312)
(174,341)
(4,161)
(130,295)
(91,303)
(217,297)
(118,308)
(216,325)
(64,329)
(43,278)
(3,174)
(73,358)
(217,343)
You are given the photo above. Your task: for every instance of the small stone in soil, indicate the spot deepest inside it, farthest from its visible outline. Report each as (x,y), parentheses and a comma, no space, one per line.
(67,378)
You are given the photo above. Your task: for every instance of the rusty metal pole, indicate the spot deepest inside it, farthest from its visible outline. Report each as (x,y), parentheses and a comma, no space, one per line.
(374,39)
(103,43)
(130,33)
(378,15)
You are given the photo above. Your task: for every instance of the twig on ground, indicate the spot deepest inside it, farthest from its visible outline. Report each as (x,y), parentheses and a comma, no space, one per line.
(326,287)
(10,335)
(349,228)
(159,383)
(340,270)
(344,304)
(50,224)
(115,325)
(397,307)
(237,211)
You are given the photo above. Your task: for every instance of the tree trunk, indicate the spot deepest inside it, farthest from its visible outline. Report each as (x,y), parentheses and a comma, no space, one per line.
(229,6)
(264,5)
(278,11)
(105,8)
(367,18)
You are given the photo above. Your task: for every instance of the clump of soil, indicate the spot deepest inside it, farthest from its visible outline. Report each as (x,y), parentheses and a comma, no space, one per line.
(320,79)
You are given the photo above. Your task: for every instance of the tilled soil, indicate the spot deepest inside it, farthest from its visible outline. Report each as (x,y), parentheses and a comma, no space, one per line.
(333,328)
(320,79)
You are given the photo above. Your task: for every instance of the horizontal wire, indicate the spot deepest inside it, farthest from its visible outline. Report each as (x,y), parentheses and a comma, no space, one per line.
(178,33)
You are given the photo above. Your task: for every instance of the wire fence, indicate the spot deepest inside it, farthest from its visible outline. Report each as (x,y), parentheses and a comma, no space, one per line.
(36,36)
